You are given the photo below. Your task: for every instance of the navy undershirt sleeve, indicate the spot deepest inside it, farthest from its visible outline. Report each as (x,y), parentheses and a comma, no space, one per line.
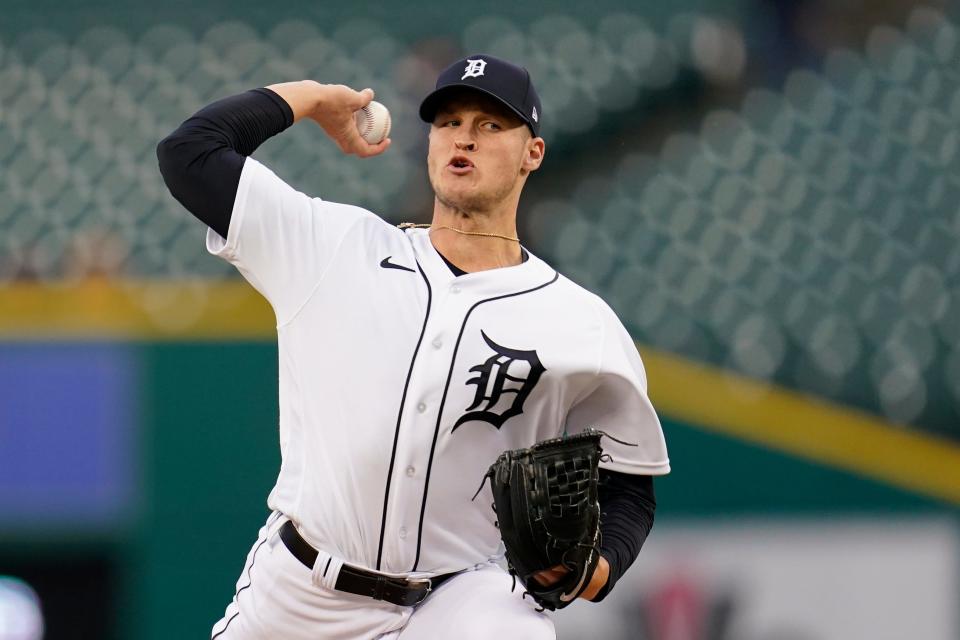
(627,503)
(202,159)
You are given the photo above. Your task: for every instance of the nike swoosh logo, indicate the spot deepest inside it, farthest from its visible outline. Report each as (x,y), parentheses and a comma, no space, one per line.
(386,264)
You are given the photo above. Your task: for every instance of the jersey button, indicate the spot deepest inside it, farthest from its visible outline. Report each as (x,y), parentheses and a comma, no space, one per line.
(421,407)
(455,289)
(437,343)
(403,532)
(411,471)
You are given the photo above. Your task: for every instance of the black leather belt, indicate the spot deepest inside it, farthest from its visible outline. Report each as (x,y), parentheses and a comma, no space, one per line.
(399,591)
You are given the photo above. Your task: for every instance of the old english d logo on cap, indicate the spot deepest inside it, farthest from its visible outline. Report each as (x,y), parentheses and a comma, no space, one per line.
(474,68)
(508,83)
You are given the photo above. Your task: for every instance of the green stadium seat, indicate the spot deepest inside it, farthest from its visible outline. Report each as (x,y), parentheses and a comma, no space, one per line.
(28,46)
(159,39)
(54,60)
(288,35)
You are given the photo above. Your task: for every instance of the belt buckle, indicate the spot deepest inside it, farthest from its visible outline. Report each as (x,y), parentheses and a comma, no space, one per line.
(425,593)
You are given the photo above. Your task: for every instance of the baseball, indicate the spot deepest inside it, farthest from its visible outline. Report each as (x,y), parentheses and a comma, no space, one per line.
(373,122)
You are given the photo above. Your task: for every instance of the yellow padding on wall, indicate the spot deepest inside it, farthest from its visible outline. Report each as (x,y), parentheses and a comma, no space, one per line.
(150,310)
(804,426)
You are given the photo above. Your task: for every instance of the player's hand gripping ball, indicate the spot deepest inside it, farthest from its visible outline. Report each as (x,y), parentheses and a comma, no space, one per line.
(373,122)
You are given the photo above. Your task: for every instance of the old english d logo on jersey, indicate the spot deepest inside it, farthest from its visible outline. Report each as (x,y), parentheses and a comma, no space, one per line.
(503,382)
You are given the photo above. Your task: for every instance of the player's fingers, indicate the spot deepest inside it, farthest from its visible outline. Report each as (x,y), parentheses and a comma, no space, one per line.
(549,576)
(349,139)
(370,150)
(362,98)
(354,144)
(545,579)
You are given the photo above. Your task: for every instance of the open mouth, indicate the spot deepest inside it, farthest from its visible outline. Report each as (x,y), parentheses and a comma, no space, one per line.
(460,165)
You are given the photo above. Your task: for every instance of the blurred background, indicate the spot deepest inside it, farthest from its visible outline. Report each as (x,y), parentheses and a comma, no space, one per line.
(766,191)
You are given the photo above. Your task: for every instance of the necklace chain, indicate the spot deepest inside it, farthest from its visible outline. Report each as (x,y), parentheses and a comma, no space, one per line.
(412,225)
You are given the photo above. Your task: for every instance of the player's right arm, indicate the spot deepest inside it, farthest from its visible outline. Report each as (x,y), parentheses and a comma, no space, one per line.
(202,159)
(332,107)
(280,239)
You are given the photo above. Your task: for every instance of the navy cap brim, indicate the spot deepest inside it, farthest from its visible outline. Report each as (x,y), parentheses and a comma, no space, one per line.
(430,104)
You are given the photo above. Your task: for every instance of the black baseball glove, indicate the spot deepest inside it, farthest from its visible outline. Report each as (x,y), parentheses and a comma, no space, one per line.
(545,498)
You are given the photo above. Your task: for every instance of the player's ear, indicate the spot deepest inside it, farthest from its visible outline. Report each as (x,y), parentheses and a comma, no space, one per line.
(533,157)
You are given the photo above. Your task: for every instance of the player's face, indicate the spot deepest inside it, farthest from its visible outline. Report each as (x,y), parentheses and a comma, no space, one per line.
(480,153)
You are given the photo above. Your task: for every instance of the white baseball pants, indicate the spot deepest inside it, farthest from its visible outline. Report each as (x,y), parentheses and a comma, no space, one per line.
(277,598)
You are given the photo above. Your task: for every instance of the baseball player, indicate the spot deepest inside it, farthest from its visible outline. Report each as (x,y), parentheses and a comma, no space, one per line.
(409,358)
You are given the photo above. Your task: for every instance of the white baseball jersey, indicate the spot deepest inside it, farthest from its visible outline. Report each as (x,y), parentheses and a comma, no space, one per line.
(401,383)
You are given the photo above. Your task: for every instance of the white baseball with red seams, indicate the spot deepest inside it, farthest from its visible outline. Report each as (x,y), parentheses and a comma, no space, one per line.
(373,122)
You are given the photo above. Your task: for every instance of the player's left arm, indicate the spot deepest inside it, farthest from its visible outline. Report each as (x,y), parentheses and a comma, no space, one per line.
(616,402)
(627,505)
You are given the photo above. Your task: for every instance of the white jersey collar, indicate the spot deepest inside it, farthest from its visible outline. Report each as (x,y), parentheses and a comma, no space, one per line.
(530,273)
